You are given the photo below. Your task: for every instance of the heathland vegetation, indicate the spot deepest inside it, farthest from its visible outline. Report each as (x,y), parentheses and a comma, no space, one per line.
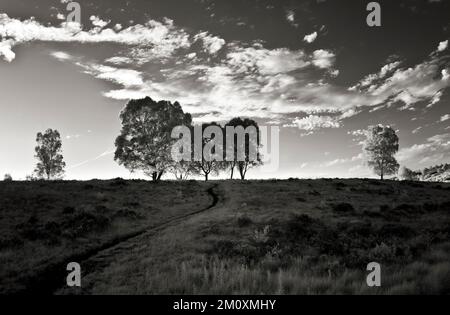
(271,237)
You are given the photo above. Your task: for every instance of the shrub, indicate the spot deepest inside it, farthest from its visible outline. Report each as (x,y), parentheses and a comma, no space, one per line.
(261,236)
(243,220)
(8,178)
(343,207)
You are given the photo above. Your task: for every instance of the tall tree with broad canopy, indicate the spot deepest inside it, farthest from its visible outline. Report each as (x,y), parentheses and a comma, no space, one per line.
(250,144)
(49,154)
(145,140)
(381,146)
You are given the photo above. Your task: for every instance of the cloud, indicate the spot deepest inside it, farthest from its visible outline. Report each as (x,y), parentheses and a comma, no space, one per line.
(323,58)
(160,39)
(211,44)
(443,45)
(68,137)
(290,18)
(124,77)
(314,122)
(245,79)
(310,38)
(410,85)
(6,50)
(445,117)
(434,150)
(61,56)
(417,130)
(98,22)
(371,78)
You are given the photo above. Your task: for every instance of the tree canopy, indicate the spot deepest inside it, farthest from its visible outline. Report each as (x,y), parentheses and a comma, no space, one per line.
(49,154)
(145,139)
(381,146)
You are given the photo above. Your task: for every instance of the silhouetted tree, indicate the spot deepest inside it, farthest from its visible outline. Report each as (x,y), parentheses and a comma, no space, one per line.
(145,140)
(381,146)
(209,164)
(49,154)
(250,142)
(8,178)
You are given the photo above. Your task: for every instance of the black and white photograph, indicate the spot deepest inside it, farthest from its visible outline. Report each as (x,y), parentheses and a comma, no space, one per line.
(224,148)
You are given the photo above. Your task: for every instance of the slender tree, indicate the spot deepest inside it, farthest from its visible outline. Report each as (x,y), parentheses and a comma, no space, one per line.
(209,165)
(381,146)
(250,141)
(49,154)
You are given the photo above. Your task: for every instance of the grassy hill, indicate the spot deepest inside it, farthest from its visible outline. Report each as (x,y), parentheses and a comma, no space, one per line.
(222,237)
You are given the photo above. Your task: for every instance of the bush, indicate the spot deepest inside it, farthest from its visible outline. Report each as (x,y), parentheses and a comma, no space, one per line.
(343,208)
(243,220)
(8,178)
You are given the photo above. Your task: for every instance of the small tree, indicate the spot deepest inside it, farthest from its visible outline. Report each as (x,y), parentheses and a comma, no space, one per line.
(209,165)
(49,154)
(381,146)
(8,178)
(250,143)
(145,140)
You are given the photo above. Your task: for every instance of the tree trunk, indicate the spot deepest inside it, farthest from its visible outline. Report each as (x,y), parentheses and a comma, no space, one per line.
(232,172)
(160,175)
(154,176)
(382,176)
(206,177)
(242,171)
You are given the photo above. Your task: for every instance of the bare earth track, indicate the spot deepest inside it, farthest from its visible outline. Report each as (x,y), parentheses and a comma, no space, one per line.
(52,278)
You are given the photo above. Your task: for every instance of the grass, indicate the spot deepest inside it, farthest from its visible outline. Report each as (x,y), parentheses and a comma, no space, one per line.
(264,237)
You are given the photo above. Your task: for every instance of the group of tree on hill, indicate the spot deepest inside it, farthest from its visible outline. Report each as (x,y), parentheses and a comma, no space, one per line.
(145,143)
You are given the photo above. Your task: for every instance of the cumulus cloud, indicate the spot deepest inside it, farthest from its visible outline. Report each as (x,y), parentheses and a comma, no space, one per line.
(443,45)
(211,44)
(323,58)
(6,50)
(310,37)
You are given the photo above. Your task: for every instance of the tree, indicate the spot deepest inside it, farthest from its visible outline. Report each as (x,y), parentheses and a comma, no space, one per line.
(210,162)
(251,144)
(8,178)
(407,174)
(381,146)
(145,139)
(182,169)
(49,154)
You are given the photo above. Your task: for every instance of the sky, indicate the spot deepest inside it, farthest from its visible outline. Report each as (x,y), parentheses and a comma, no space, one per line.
(314,68)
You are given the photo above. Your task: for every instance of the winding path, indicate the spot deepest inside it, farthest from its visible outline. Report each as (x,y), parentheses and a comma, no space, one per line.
(52,278)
